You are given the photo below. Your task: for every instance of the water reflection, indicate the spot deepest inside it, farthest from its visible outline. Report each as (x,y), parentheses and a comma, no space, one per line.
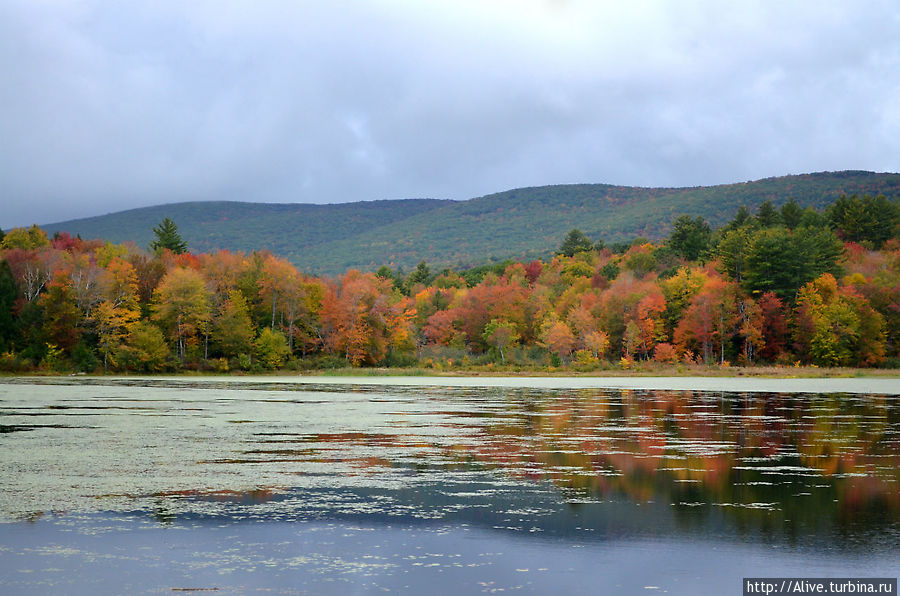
(578,464)
(794,461)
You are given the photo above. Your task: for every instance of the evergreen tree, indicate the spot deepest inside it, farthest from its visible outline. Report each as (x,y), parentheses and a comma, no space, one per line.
(8,295)
(767,215)
(574,242)
(690,237)
(812,219)
(791,213)
(780,261)
(167,236)
(867,219)
(420,275)
(395,277)
(741,218)
(610,271)
(732,251)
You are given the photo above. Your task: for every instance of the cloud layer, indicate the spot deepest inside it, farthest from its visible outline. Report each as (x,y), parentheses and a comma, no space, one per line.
(111,105)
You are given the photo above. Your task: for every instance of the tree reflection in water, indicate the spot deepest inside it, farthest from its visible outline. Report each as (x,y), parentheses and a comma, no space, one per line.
(769,460)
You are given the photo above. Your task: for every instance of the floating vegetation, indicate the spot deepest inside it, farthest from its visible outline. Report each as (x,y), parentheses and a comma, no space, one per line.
(561,466)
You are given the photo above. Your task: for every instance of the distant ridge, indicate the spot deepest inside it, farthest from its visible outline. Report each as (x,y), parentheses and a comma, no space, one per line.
(519,223)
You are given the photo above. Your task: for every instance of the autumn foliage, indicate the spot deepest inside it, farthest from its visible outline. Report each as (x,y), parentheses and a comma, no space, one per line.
(73,304)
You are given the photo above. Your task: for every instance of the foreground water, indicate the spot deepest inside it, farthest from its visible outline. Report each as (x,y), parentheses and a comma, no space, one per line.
(124,486)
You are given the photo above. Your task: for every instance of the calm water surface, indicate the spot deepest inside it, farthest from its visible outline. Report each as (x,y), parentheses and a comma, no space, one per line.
(117,486)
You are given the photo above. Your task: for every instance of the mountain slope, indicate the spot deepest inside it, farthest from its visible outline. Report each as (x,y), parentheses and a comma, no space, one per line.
(520,223)
(290,230)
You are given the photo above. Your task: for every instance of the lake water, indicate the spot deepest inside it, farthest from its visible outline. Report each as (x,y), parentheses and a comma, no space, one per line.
(176,485)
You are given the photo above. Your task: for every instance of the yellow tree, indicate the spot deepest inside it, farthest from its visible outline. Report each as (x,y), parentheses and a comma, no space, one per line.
(400,325)
(836,326)
(181,307)
(114,324)
(146,349)
(120,284)
(233,329)
(597,342)
(282,286)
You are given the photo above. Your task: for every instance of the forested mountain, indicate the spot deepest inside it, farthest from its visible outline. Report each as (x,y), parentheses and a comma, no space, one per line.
(521,223)
(781,285)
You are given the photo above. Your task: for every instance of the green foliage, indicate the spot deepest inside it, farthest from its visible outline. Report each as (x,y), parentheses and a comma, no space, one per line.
(420,275)
(53,358)
(689,237)
(181,307)
(610,271)
(523,224)
(790,214)
(574,242)
(840,328)
(679,290)
(619,248)
(577,269)
(448,279)
(31,336)
(500,334)
(767,215)
(401,359)
(84,358)
(8,294)
(476,275)
(812,219)
(396,278)
(84,300)
(741,218)
(271,348)
(167,237)
(781,261)
(24,238)
(232,329)
(639,261)
(146,350)
(732,251)
(871,220)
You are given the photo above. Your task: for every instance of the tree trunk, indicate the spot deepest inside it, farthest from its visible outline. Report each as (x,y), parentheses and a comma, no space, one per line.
(274,295)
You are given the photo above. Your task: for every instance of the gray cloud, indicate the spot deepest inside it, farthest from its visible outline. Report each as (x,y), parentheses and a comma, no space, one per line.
(111,105)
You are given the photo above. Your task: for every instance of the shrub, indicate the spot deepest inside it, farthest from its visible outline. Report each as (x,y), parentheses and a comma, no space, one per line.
(271,348)
(666,353)
(585,360)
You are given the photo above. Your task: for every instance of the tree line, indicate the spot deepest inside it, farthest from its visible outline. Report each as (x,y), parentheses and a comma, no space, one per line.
(784,285)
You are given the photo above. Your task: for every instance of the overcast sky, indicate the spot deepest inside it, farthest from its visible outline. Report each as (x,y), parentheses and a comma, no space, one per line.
(110,105)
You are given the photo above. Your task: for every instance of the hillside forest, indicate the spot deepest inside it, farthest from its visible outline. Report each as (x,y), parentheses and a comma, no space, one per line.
(785,286)
(522,224)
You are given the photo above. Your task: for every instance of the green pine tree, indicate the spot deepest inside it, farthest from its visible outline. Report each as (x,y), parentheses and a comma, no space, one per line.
(767,215)
(791,213)
(8,295)
(689,237)
(167,236)
(574,242)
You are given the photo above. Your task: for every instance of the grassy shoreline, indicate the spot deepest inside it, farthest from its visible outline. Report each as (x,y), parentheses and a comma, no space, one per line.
(638,370)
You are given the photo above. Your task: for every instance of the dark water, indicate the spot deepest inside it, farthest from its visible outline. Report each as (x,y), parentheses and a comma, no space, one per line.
(136,486)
